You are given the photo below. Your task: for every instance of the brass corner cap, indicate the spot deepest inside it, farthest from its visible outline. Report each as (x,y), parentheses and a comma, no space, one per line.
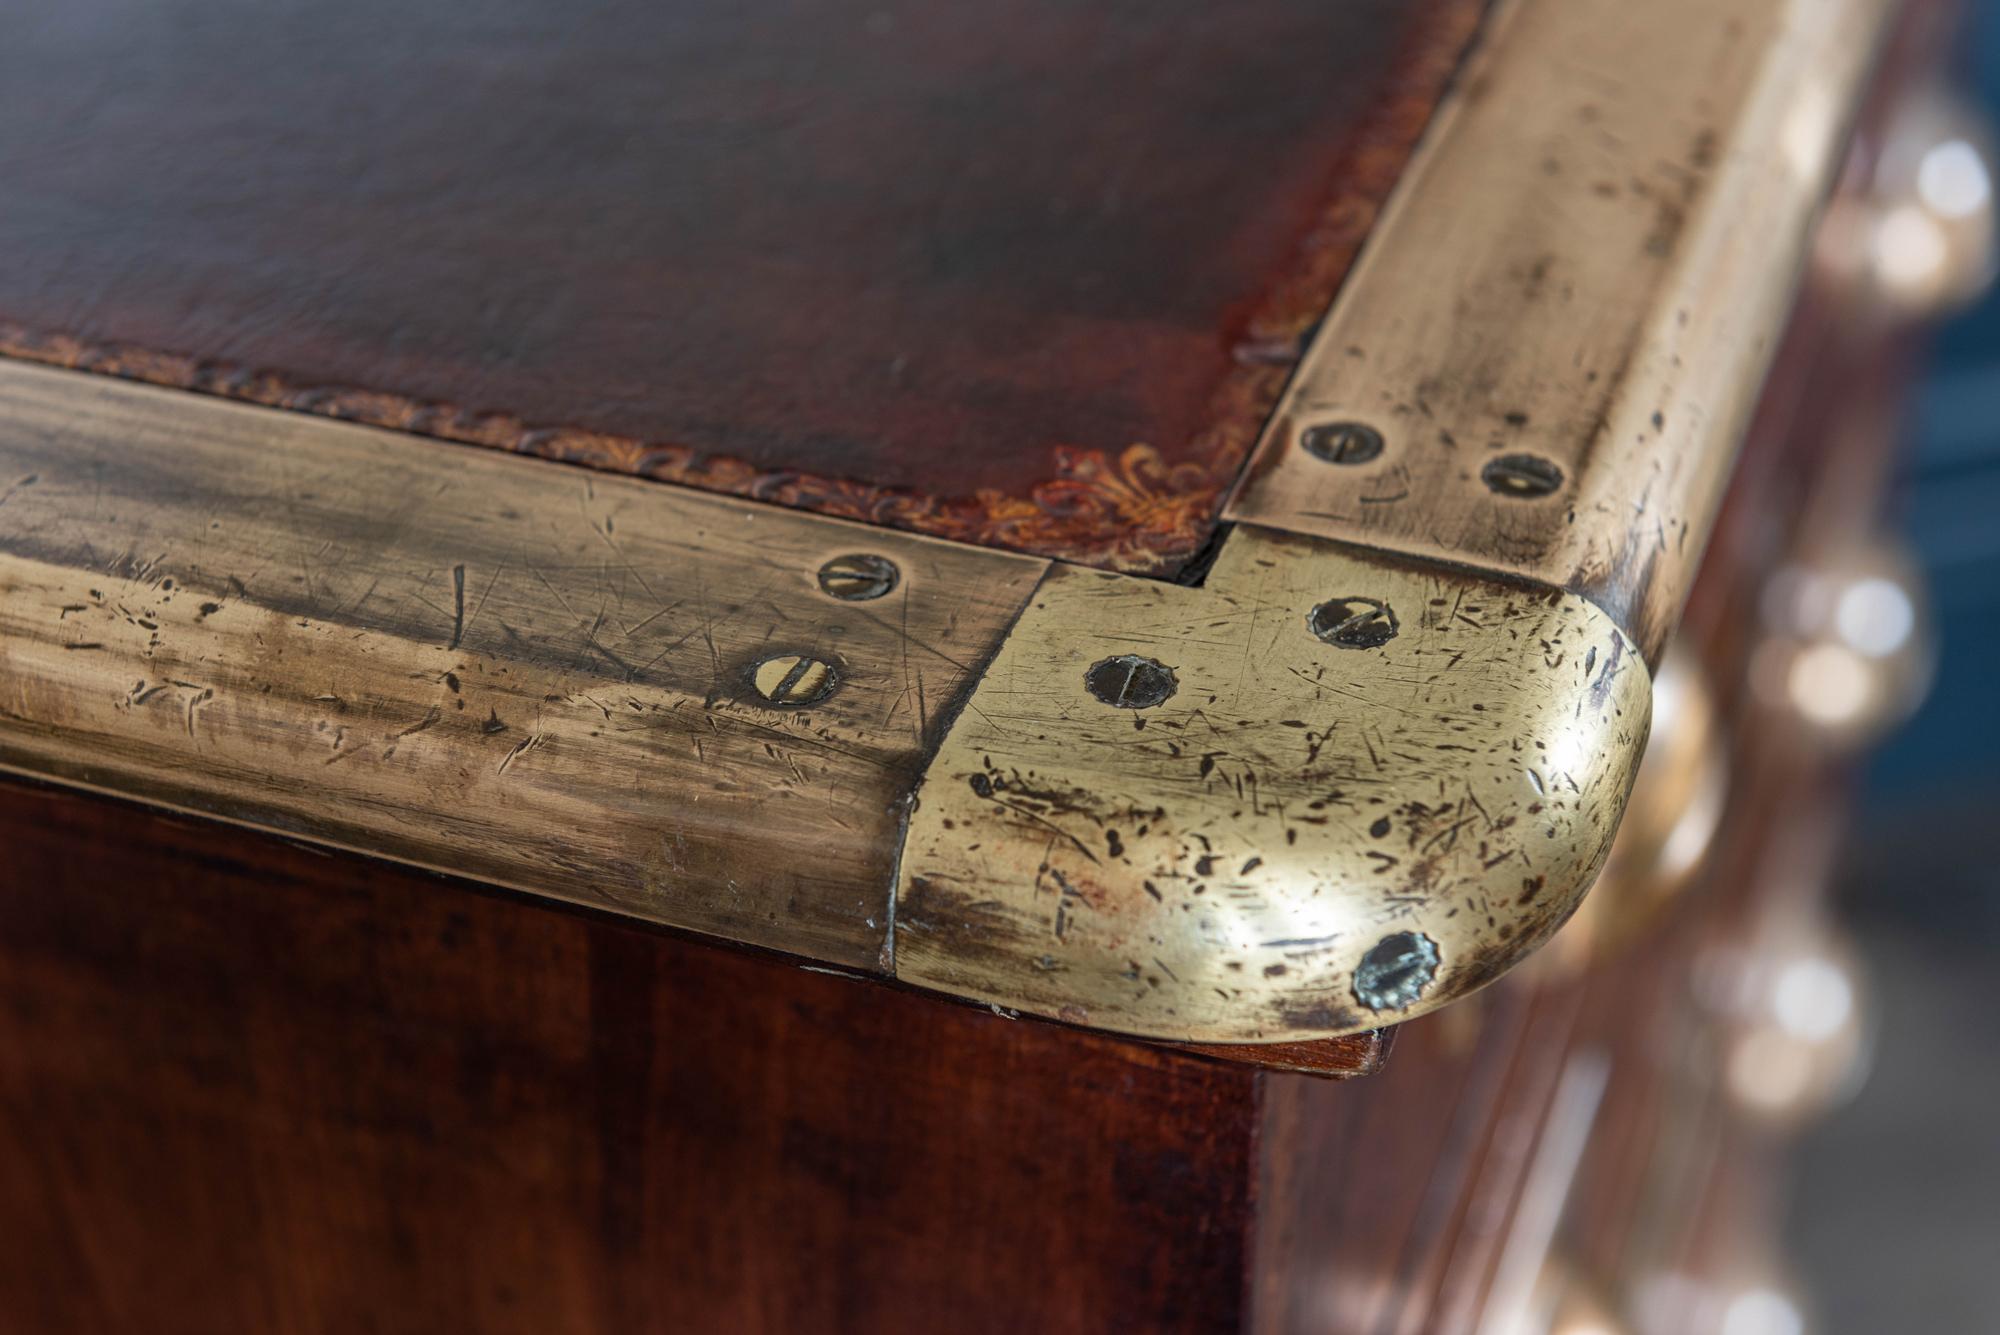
(1328,790)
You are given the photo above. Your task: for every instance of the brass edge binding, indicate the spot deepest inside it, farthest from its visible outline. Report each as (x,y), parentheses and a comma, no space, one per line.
(1330,789)
(1186,813)
(685,709)
(1546,357)
(1251,811)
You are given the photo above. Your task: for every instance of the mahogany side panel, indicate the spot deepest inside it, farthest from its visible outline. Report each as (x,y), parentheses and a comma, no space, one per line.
(246,1085)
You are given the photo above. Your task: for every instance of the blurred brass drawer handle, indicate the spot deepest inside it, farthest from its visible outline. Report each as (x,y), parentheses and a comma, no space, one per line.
(1794,1023)
(1670,820)
(1920,235)
(1849,649)
(1683,780)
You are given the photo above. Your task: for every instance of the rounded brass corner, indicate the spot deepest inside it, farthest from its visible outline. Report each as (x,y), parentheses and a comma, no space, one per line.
(1374,785)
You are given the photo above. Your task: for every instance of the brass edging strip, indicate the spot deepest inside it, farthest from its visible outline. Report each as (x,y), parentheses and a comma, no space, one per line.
(1374,759)
(1546,356)
(687,709)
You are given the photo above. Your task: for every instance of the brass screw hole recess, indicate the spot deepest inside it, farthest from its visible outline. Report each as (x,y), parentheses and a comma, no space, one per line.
(858,577)
(793,681)
(1354,623)
(1524,477)
(1395,971)
(1131,682)
(1342,442)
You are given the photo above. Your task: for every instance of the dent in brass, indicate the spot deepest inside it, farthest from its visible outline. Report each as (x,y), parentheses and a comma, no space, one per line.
(1304,840)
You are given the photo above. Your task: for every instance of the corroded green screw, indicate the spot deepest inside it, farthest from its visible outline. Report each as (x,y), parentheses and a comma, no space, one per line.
(1395,971)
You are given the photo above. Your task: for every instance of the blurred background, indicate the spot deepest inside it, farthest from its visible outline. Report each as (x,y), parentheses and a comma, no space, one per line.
(1895,1213)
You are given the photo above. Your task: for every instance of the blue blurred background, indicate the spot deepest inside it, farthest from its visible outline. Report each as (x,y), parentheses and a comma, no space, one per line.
(1950,507)
(1895,1219)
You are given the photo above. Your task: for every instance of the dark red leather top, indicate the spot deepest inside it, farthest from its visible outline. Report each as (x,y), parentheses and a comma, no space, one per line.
(1024,272)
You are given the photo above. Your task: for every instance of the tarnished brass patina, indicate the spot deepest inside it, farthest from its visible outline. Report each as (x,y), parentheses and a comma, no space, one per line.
(1326,790)
(1305,837)
(586,687)
(1331,787)
(1559,327)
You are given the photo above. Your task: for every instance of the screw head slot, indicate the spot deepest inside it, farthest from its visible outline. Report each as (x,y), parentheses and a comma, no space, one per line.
(1523,477)
(858,577)
(1342,442)
(1354,623)
(1129,681)
(793,681)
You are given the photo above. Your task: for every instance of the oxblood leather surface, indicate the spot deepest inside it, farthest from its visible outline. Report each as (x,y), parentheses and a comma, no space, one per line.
(1024,272)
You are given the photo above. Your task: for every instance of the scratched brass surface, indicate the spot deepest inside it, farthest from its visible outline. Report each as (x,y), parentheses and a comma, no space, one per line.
(1587,264)
(1219,867)
(529,674)
(550,679)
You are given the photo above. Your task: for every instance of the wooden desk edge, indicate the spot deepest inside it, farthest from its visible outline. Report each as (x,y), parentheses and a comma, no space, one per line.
(554,681)
(1069,881)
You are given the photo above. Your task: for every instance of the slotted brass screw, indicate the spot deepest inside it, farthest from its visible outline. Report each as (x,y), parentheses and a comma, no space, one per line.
(1342,442)
(1131,682)
(1354,623)
(858,577)
(792,681)
(1524,477)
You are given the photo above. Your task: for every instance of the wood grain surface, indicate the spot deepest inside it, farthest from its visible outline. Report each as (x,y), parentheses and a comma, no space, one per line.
(251,1085)
(531,675)
(247,1086)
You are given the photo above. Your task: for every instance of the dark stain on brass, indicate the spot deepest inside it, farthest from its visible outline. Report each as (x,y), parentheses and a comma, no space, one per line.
(1395,971)
(858,577)
(793,681)
(1131,682)
(1342,442)
(1522,476)
(1354,623)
